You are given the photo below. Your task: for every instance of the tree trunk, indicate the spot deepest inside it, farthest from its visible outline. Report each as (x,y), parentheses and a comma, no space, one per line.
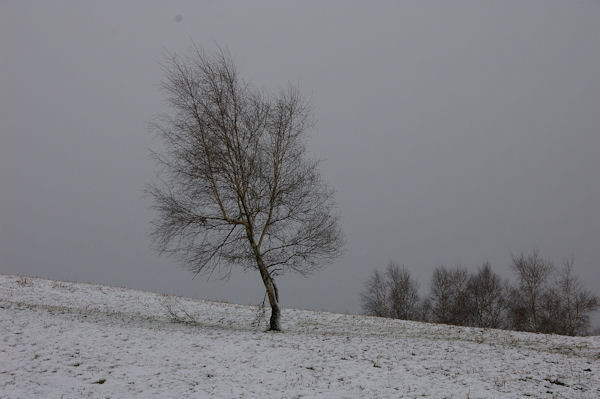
(270,287)
(275,315)
(272,294)
(274,324)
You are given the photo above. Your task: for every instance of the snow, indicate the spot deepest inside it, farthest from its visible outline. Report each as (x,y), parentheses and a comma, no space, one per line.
(73,340)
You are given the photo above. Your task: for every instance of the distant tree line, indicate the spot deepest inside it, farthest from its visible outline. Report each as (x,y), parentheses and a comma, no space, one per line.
(545,298)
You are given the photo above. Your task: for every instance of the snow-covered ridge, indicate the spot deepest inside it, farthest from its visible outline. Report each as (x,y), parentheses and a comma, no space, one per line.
(84,340)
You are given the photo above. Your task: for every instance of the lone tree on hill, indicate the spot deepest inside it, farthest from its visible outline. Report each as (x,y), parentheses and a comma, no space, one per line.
(236,186)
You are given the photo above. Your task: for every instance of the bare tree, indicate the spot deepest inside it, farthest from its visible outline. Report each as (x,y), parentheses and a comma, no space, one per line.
(236,186)
(566,306)
(441,295)
(424,310)
(394,294)
(403,293)
(374,298)
(486,297)
(533,272)
(551,313)
(449,297)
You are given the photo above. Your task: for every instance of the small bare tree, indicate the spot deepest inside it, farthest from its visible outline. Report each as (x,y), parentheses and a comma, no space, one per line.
(533,272)
(393,294)
(236,186)
(374,298)
(449,296)
(403,293)
(566,306)
(486,297)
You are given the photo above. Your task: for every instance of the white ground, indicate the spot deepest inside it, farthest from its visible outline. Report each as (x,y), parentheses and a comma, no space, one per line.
(59,340)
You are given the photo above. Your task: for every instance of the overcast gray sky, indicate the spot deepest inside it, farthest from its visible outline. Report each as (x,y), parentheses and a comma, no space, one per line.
(454,132)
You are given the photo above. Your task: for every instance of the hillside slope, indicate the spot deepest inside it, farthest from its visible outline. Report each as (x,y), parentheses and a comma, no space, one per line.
(72,340)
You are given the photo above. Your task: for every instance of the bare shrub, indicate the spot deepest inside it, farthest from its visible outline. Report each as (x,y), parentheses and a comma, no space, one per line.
(260,316)
(177,312)
(24,282)
(59,285)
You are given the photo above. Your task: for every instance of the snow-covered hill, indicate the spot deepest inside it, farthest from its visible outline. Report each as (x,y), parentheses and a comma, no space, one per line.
(71,340)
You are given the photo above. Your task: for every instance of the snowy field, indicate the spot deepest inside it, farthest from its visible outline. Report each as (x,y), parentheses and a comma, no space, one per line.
(70,340)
